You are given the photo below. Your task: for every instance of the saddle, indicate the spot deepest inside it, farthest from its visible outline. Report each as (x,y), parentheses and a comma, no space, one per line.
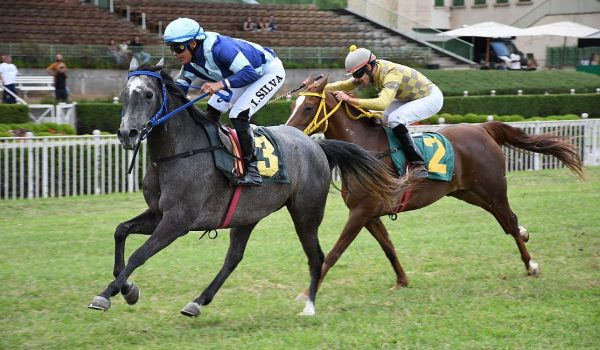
(226,153)
(436,149)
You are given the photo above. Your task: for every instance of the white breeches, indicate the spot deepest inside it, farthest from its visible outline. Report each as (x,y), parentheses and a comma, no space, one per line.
(400,112)
(255,95)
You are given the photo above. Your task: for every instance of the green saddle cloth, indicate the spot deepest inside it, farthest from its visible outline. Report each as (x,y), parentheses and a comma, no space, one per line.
(436,150)
(271,162)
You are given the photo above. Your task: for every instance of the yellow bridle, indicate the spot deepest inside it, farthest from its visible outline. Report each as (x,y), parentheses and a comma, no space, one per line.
(314,125)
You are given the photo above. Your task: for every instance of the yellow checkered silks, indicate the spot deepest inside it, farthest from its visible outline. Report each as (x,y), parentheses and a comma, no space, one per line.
(412,85)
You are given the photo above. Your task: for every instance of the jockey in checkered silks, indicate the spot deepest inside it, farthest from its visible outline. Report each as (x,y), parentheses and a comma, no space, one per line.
(250,73)
(405,95)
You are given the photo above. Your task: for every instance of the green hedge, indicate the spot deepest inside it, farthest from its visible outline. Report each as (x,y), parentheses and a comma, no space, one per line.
(481,82)
(527,106)
(44,129)
(13,113)
(106,116)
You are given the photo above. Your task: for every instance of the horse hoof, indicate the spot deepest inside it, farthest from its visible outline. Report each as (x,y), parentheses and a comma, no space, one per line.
(191,310)
(309,309)
(133,295)
(534,269)
(302,297)
(99,303)
(524,233)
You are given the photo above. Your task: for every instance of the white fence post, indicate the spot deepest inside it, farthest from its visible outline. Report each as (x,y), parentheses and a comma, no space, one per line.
(30,166)
(96,150)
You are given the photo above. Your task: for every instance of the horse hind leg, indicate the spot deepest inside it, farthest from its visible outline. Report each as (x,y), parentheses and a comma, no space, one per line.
(378,230)
(499,207)
(238,239)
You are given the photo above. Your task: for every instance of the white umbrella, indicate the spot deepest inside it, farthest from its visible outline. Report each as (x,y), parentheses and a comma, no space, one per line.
(486,30)
(564,29)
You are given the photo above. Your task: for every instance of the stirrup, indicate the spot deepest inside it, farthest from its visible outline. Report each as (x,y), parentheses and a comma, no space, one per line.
(250,178)
(419,169)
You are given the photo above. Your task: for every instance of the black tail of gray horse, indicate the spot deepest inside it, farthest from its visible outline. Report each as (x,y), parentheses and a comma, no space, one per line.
(371,176)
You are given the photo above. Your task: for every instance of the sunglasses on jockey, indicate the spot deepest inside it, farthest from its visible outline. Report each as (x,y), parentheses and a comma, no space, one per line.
(357,74)
(178,47)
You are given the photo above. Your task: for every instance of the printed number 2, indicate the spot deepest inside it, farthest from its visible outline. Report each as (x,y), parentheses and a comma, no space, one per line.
(434,164)
(268,163)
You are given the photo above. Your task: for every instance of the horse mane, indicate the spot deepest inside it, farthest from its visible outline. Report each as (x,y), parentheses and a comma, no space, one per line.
(172,88)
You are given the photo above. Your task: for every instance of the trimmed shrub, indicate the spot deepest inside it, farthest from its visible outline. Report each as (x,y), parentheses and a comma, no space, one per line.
(13,113)
(98,116)
(45,129)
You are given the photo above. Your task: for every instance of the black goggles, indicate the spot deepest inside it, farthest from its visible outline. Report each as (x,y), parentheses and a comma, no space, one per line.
(357,74)
(177,48)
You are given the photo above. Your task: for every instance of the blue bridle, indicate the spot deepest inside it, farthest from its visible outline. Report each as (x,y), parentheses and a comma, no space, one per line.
(163,113)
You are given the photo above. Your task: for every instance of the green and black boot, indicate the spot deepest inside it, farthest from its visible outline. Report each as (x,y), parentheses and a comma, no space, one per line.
(410,150)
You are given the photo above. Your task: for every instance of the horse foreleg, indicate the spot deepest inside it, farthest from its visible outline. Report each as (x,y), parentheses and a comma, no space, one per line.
(168,230)
(378,230)
(145,224)
(238,238)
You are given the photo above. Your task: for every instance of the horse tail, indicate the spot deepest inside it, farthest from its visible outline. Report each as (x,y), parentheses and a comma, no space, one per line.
(546,144)
(371,176)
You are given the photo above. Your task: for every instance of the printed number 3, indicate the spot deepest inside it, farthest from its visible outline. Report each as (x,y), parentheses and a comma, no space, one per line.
(268,163)
(434,164)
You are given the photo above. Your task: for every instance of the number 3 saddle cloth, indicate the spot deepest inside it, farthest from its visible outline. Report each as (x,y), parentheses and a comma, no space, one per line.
(435,149)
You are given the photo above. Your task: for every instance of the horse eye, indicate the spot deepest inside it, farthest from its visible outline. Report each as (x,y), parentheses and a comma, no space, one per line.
(149,95)
(310,108)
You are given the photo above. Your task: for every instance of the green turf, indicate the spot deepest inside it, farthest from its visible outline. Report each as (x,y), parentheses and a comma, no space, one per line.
(468,288)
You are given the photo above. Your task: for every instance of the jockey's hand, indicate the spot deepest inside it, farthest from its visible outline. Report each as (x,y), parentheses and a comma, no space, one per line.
(341,96)
(212,88)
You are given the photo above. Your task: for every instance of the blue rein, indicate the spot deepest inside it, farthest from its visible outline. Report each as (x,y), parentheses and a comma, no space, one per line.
(163,113)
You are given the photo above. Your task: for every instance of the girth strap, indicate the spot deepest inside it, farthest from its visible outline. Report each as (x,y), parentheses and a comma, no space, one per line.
(188,153)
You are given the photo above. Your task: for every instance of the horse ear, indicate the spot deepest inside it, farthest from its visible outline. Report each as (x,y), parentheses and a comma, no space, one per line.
(161,62)
(323,83)
(134,64)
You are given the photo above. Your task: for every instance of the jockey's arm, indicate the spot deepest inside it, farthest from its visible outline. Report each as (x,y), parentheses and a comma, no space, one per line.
(342,85)
(379,103)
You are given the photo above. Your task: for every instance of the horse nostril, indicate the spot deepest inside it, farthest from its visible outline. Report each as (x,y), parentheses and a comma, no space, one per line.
(133,133)
(119,136)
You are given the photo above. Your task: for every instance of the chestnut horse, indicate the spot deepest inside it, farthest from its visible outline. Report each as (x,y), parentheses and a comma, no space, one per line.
(478,178)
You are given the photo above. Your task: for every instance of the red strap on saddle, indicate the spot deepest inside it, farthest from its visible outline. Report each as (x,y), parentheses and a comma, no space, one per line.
(403,202)
(239,169)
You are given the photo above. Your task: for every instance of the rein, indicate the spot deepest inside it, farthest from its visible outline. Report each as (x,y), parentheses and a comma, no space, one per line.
(314,125)
(163,115)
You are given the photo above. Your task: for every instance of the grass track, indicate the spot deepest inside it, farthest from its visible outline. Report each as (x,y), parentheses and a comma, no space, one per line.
(468,286)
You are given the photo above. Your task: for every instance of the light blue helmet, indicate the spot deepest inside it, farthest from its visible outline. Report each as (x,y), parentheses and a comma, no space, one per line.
(183,30)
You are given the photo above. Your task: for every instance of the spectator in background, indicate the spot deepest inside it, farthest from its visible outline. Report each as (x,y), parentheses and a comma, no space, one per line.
(263,25)
(8,78)
(137,48)
(531,62)
(58,69)
(113,51)
(250,25)
(515,61)
(594,59)
(124,49)
(272,24)
(61,92)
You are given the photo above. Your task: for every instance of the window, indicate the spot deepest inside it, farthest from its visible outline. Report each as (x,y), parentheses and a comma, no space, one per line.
(480,2)
(458,2)
(439,3)
(501,1)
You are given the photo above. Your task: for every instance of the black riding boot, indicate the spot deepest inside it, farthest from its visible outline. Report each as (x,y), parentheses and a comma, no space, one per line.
(410,150)
(212,113)
(251,175)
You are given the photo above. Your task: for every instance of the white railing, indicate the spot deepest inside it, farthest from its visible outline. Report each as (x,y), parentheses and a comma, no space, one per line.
(34,167)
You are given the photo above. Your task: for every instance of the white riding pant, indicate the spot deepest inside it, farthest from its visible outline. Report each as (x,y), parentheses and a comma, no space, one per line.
(253,96)
(401,112)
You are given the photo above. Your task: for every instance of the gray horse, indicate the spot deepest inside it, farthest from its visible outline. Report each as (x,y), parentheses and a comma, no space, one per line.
(189,194)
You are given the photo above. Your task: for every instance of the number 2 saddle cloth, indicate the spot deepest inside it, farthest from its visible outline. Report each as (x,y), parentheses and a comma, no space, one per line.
(435,149)
(227,158)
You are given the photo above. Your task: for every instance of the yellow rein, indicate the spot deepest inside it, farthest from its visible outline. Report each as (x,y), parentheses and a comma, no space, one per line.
(314,125)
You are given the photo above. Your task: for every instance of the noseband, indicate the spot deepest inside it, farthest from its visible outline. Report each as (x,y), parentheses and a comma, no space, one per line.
(314,125)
